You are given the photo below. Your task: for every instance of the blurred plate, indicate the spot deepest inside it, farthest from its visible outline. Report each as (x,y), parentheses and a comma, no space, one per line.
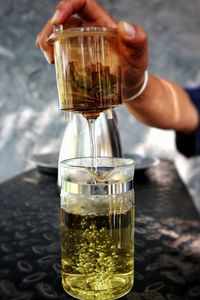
(143,162)
(46,162)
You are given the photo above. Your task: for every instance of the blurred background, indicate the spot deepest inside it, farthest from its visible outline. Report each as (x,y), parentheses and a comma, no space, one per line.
(30,121)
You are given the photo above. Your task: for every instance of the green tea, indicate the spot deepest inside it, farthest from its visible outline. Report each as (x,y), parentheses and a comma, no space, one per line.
(97,248)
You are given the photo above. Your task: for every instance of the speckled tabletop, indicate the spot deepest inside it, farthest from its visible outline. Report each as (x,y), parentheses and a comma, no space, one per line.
(167,242)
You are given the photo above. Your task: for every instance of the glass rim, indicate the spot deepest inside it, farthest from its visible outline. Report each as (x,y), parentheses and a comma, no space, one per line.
(67,163)
(81,31)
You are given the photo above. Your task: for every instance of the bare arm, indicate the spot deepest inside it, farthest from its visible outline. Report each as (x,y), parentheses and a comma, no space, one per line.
(163,104)
(166,105)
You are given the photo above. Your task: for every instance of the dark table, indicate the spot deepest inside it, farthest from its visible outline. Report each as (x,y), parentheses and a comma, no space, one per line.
(167,243)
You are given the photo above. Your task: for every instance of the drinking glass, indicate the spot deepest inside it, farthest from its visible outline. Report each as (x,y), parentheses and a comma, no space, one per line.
(97,227)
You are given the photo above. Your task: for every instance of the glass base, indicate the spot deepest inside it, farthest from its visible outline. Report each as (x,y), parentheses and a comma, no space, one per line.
(86,288)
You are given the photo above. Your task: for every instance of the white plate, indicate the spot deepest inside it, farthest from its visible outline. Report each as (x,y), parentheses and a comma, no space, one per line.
(46,162)
(142,162)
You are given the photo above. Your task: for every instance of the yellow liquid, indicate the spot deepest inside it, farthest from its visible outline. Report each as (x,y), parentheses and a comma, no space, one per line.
(97,251)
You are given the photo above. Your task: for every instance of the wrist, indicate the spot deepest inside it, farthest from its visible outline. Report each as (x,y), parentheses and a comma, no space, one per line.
(134,92)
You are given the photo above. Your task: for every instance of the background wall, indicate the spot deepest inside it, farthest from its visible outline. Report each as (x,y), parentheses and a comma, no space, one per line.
(29,117)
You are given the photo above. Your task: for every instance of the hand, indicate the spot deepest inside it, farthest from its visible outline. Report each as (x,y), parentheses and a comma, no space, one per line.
(86,13)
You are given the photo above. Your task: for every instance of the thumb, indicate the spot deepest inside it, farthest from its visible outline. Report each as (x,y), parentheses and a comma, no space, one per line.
(134,54)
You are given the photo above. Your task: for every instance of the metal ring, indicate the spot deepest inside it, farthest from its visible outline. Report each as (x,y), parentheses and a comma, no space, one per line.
(96,189)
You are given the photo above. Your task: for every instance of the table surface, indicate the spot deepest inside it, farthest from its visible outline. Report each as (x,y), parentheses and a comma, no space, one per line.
(167,240)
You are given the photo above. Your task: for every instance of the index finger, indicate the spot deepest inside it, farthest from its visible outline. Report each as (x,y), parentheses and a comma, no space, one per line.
(41,41)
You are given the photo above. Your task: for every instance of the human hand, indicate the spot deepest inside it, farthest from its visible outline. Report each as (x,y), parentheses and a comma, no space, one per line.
(87,13)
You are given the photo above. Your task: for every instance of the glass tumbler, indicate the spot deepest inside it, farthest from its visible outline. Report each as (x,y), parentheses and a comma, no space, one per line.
(87,69)
(97,227)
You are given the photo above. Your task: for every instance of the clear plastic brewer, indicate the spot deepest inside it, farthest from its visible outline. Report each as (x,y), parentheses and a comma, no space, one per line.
(97,227)
(87,69)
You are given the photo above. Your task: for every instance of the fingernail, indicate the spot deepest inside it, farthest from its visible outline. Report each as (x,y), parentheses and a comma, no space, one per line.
(37,41)
(129,29)
(54,19)
(49,60)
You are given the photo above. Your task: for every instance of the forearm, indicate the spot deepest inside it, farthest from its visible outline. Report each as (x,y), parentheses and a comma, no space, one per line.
(165,105)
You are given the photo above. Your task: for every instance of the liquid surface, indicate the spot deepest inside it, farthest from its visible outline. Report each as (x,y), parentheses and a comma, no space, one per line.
(97,249)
